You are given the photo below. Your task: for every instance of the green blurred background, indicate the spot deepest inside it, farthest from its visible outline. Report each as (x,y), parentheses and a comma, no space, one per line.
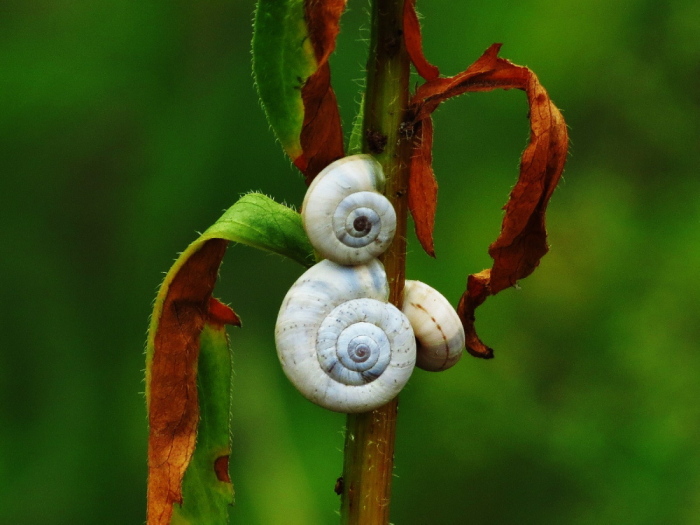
(127,126)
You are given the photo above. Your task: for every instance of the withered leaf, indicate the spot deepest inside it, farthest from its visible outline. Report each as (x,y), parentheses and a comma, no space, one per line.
(323,25)
(477,292)
(173,409)
(432,93)
(220,314)
(414,42)
(422,187)
(322,133)
(427,98)
(523,239)
(187,323)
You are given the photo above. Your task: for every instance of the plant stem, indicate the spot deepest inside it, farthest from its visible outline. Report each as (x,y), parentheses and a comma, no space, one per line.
(369,439)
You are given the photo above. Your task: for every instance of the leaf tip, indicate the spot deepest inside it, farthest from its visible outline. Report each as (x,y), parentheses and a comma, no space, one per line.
(221,314)
(429,246)
(482,352)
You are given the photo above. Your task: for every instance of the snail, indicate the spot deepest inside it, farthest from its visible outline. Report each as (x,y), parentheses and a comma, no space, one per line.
(340,342)
(346,218)
(437,326)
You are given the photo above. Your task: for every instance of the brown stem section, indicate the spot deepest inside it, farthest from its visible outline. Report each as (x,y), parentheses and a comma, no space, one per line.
(369,440)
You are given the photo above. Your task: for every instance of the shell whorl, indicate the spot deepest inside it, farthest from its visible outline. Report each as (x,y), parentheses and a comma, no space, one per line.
(347,220)
(437,327)
(340,343)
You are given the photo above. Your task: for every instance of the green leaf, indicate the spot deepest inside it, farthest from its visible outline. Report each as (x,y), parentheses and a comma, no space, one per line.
(258,221)
(181,328)
(283,59)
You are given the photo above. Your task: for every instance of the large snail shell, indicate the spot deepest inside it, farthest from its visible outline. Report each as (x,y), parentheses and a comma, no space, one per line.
(340,343)
(345,217)
(437,326)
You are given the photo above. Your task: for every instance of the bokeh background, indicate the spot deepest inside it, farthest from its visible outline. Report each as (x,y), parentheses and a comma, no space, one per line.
(127,126)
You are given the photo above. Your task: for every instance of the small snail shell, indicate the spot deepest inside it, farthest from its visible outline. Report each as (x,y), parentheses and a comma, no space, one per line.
(340,343)
(436,324)
(345,217)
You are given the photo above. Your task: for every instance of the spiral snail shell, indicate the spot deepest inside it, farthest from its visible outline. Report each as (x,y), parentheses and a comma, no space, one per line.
(346,218)
(340,342)
(437,326)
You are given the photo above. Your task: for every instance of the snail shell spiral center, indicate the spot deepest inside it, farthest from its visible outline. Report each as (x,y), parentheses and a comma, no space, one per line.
(350,349)
(346,218)
(356,224)
(361,225)
(359,349)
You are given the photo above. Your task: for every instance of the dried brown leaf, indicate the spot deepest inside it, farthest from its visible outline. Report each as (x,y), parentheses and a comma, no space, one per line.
(414,42)
(432,93)
(523,239)
(477,292)
(422,187)
(322,133)
(323,25)
(173,406)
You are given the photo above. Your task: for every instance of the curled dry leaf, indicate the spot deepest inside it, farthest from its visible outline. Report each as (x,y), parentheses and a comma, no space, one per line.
(187,323)
(477,292)
(322,133)
(414,42)
(323,23)
(422,187)
(523,239)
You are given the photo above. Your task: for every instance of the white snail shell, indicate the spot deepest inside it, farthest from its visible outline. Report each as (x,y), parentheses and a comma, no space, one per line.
(346,219)
(340,342)
(437,326)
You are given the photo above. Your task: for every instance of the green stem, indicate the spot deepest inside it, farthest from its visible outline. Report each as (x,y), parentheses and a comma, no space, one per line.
(369,440)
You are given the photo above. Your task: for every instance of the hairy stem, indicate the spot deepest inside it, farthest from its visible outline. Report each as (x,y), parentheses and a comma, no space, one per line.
(369,440)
